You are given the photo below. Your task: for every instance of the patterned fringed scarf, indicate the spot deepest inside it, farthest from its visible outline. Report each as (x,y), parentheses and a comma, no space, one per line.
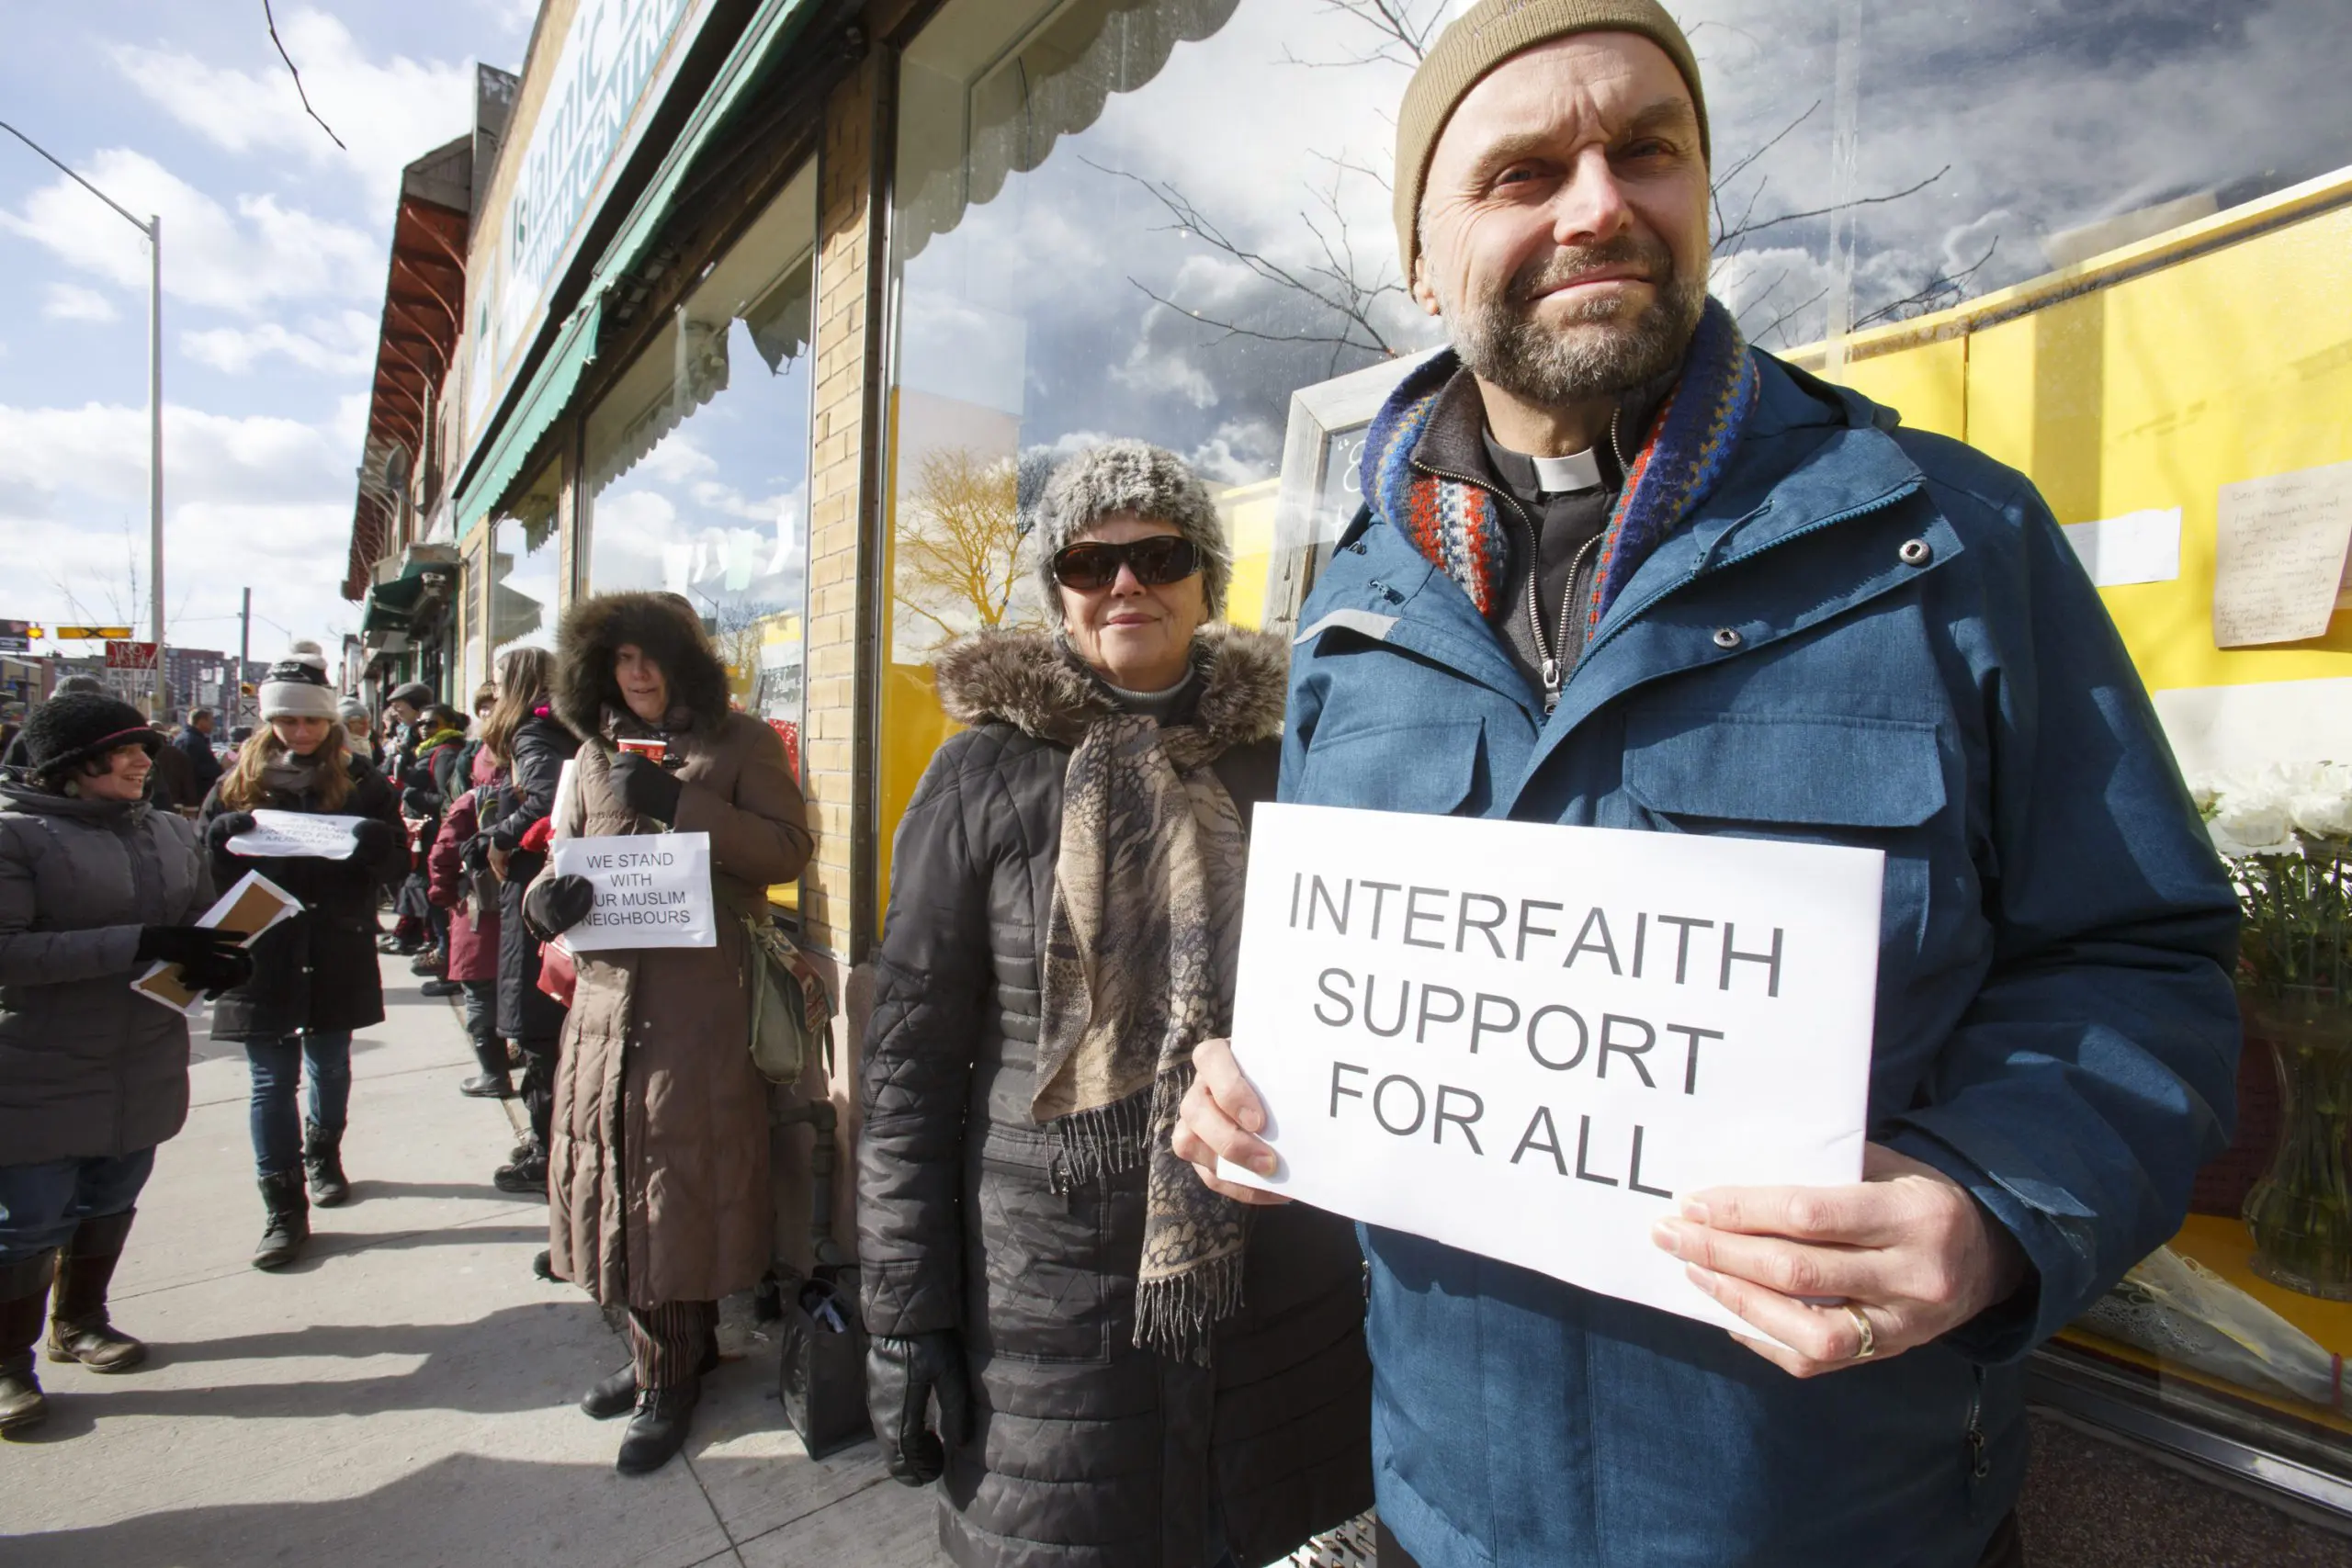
(1689,447)
(1139,968)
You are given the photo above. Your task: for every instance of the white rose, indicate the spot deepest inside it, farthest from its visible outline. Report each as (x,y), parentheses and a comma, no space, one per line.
(2323,814)
(2203,793)
(2253,825)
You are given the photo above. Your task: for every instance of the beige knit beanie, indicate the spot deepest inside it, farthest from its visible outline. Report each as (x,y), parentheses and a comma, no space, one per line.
(1483,37)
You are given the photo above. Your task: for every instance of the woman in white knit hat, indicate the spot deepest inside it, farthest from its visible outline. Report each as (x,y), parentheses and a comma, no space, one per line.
(314,976)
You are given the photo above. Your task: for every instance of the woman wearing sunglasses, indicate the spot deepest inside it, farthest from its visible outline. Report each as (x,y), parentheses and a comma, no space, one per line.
(1129,1369)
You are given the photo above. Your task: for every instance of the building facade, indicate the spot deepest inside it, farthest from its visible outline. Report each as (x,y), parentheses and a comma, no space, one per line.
(789,305)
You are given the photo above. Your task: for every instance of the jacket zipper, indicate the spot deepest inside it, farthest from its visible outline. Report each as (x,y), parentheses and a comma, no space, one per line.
(1547,649)
(1979,1462)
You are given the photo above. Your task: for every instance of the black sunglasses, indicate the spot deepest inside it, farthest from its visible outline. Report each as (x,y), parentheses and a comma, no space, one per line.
(1157,561)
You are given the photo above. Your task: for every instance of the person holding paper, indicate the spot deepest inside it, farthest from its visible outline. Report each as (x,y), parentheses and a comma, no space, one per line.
(1064,919)
(530,747)
(1620,569)
(96,885)
(658,1166)
(315,979)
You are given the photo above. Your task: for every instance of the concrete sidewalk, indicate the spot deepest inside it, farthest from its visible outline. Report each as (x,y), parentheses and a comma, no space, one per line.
(405,1394)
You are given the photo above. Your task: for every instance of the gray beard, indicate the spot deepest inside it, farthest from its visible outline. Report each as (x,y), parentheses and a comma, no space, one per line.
(1600,355)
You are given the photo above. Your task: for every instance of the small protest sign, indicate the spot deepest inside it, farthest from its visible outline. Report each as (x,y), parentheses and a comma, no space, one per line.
(250,908)
(652,890)
(289,835)
(1528,1041)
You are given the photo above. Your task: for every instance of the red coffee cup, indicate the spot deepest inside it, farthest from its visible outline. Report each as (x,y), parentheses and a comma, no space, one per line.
(651,750)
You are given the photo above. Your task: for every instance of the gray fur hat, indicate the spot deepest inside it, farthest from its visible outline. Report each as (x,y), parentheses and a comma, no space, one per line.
(1136,478)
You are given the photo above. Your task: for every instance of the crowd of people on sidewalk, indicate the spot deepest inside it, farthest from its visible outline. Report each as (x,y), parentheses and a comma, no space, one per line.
(1777,615)
(648,1130)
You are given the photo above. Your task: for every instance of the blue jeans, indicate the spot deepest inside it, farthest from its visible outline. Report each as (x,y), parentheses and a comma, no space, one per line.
(41,1205)
(277,1067)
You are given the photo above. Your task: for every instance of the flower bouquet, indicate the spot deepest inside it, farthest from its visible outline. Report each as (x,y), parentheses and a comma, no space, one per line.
(2285,833)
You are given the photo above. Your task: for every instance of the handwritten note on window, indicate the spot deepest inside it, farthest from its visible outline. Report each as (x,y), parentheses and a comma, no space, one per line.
(2279,556)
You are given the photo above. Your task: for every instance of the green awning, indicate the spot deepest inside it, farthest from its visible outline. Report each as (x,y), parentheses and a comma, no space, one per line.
(387,606)
(540,405)
(762,44)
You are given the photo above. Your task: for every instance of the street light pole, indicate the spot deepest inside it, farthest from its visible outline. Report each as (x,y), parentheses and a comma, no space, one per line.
(155,457)
(154,230)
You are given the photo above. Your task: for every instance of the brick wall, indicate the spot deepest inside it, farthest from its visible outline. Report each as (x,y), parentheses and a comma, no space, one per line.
(836,505)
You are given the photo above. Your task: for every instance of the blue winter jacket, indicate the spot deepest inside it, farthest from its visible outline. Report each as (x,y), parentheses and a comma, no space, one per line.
(1919,665)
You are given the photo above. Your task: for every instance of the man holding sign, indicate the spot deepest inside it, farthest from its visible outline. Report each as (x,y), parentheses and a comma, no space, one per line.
(1619,570)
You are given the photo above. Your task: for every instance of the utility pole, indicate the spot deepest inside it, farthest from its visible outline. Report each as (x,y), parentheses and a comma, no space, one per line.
(244,650)
(154,230)
(156,454)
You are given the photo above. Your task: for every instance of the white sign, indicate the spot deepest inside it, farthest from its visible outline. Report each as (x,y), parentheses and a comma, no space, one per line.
(1529,1042)
(652,890)
(2139,547)
(284,835)
(2278,555)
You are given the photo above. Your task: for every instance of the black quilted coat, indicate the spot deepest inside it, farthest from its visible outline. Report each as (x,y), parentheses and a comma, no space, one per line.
(1087,1452)
(316,971)
(525,795)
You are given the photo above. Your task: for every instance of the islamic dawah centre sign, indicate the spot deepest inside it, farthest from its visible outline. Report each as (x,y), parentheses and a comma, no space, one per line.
(618,58)
(1528,1041)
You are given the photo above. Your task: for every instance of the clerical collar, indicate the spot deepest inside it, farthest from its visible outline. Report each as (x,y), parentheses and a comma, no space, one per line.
(1546,476)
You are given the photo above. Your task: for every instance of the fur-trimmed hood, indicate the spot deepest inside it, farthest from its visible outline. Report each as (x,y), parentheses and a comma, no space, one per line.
(666,627)
(1029,680)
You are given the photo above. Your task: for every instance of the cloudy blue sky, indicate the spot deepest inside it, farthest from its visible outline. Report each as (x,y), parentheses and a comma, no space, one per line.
(274,256)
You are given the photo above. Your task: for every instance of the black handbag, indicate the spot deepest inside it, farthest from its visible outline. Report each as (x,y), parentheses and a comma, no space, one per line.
(822,1382)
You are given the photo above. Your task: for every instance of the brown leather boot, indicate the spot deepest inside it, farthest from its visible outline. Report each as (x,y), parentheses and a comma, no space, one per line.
(78,1329)
(24,1302)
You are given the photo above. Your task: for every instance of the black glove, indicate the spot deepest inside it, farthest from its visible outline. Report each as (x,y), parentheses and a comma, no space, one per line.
(420,802)
(227,826)
(475,855)
(376,839)
(645,787)
(553,907)
(184,944)
(901,1376)
(221,972)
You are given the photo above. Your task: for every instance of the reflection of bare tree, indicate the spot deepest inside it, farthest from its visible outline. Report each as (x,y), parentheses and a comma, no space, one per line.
(1345,296)
(737,633)
(959,542)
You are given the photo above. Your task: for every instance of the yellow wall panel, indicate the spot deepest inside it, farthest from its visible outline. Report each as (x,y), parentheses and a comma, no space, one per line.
(2153,391)
(1929,384)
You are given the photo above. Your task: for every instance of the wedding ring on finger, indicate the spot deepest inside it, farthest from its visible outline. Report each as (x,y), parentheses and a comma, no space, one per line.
(1869,1346)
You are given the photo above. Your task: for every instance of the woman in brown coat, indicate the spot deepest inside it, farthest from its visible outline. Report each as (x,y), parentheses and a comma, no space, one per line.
(658,1166)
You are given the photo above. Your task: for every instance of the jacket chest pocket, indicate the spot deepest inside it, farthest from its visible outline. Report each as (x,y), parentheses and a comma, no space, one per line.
(1829,779)
(1041,1283)
(1431,766)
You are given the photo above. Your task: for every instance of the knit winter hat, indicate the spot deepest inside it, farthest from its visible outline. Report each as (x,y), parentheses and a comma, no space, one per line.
(81,726)
(1483,37)
(296,686)
(1148,482)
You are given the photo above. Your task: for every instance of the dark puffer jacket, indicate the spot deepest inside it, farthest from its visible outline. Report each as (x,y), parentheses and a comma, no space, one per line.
(88,1067)
(316,972)
(1086,1451)
(525,797)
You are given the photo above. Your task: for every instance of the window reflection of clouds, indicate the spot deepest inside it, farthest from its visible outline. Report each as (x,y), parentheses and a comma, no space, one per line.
(697,457)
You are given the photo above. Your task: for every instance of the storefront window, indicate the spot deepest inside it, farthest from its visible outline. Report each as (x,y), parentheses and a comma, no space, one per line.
(2102,242)
(526,567)
(698,459)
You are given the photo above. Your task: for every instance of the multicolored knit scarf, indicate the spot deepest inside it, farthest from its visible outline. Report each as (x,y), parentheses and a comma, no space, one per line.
(1689,447)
